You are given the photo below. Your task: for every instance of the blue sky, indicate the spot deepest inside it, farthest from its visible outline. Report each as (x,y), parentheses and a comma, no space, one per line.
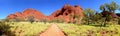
(46,6)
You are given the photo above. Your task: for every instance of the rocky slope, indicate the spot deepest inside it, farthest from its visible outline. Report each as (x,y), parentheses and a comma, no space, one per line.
(26,13)
(63,13)
(66,12)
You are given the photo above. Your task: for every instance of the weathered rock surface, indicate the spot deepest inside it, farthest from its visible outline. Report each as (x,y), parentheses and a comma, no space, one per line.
(26,13)
(63,13)
(31,12)
(11,16)
(66,12)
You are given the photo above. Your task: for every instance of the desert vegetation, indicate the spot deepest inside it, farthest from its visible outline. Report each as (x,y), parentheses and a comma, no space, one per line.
(22,28)
(104,23)
(87,30)
(28,29)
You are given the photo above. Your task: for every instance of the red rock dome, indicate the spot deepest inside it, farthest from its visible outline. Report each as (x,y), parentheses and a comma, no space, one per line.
(63,13)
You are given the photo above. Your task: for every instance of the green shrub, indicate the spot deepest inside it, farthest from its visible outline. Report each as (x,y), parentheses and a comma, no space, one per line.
(44,20)
(87,30)
(28,29)
(119,21)
(57,20)
(4,29)
(31,19)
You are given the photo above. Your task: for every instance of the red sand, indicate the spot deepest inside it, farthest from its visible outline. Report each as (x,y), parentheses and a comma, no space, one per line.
(53,30)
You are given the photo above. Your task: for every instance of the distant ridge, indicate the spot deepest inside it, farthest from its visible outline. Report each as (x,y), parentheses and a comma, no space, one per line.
(63,13)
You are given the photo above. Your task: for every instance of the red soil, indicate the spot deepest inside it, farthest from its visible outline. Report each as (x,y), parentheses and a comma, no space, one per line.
(53,30)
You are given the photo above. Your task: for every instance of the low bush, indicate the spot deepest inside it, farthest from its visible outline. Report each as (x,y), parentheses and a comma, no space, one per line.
(28,29)
(87,30)
(4,29)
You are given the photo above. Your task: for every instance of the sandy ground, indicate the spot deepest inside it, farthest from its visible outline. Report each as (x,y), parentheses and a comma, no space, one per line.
(53,30)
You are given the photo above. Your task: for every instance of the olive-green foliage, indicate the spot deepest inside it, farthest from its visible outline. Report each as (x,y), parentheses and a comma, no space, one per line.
(56,20)
(31,19)
(97,19)
(7,20)
(76,18)
(107,19)
(87,30)
(91,18)
(109,7)
(89,14)
(102,7)
(119,21)
(4,29)
(28,29)
(43,20)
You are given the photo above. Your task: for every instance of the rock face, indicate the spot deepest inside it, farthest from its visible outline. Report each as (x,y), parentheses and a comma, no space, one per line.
(64,13)
(31,12)
(11,16)
(26,13)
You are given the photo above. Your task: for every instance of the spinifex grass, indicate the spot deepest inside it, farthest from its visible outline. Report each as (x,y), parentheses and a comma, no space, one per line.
(86,30)
(28,29)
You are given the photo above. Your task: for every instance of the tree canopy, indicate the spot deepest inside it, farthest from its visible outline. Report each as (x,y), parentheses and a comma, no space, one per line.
(109,7)
(89,12)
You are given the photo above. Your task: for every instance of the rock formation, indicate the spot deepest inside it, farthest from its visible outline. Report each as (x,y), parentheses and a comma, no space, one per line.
(66,12)
(11,16)
(26,13)
(31,12)
(63,13)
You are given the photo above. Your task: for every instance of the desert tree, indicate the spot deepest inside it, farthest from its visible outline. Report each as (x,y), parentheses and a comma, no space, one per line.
(107,19)
(113,6)
(97,16)
(7,20)
(109,7)
(102,7)
(44,20)
(89,13)
(31,19)
(54,20)
(75,18)
(58,20)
